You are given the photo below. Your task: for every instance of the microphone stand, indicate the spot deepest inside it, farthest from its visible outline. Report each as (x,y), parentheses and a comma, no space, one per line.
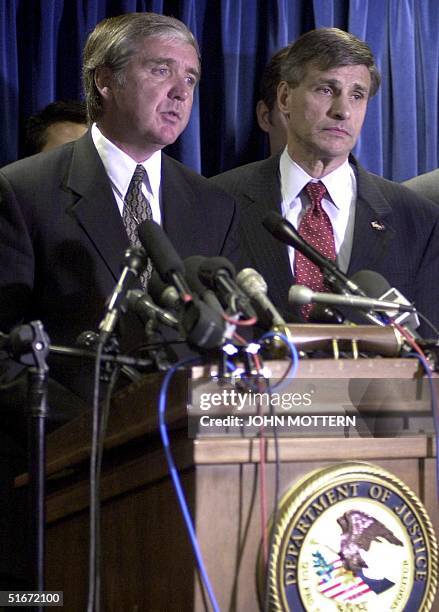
(30,345)
(33,337)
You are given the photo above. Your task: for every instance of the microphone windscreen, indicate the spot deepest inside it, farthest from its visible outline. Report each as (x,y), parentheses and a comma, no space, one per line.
(373,284)
(299,294)
(251,282)
(192,267)
(159,248)
(211,266)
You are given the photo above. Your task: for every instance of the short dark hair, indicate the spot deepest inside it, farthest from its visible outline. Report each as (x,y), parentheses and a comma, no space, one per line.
(115,40)
(35,136)
(328,48)
(271,78)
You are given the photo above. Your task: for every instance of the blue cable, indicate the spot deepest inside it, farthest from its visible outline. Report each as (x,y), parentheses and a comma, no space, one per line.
(230,365)
(434,407)
(294,356)
(176,480)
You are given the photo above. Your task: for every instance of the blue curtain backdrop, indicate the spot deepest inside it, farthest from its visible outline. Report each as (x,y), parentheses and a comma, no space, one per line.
(40,56)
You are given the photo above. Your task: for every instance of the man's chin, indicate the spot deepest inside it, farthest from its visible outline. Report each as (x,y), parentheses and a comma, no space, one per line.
(333,152)
(168,135)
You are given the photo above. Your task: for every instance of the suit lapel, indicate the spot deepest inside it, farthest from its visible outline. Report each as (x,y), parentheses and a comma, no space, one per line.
(373,229)
(261,195)
(96,209)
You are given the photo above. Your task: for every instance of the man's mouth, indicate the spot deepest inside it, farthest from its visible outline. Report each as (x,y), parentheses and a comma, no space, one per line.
(337,131)
(172,115)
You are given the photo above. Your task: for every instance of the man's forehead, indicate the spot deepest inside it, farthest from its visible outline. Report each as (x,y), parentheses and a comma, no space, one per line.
(358,73)
(169,48)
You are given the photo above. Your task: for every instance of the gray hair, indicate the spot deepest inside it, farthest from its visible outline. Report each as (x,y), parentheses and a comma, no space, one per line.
(115,40)
(328,48)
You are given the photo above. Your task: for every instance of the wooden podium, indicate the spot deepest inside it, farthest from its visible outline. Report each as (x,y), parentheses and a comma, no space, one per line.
(147,560)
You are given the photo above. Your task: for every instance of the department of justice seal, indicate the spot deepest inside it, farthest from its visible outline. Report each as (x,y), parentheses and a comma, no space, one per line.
(350,537)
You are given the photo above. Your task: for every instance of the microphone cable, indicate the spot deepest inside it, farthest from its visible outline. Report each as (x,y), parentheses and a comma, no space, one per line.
(291,373)
(99,428)
(163,398)
(93,602)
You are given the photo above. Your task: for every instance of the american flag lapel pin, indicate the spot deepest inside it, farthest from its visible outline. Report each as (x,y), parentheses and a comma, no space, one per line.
(377,226)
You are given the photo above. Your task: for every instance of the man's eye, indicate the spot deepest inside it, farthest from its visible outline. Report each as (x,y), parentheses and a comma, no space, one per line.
(191,81)
(325,90)
(161,70)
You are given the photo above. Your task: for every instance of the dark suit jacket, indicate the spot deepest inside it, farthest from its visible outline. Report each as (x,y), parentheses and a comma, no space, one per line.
(62,241)
(396,234)
(426,185)
(62,237)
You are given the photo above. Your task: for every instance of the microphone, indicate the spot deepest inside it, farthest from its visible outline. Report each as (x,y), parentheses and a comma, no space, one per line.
(134,262)
(163,294)
(218,273)
(254,285)
(142,304)
(299,294)
(377,286)
(284,231)
(89,340)
(203,327)
(165,258)
(320,313)
(192,266)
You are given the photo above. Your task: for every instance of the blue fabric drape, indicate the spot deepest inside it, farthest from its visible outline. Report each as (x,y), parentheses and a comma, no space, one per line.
(40,57)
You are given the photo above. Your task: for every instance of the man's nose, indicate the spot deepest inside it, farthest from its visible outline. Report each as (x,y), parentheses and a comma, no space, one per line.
(179,90)
(340,108)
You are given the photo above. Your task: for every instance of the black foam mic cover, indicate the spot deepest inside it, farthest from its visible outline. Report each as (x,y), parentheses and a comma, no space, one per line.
(160,249)
(373,284)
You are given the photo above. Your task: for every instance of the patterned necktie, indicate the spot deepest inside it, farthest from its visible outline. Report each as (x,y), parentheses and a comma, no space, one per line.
(316,228)
(137,209)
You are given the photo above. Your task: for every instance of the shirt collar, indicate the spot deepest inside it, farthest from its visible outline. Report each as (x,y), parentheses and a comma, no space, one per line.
(339,183)
(120,166)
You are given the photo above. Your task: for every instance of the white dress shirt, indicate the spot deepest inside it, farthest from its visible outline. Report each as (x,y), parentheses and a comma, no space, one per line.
(120,169)
(338,203)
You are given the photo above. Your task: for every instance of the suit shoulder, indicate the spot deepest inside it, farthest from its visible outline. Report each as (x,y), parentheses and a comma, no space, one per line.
(399,196)
(426,185)
(196,182)
(231,180)
(35,168)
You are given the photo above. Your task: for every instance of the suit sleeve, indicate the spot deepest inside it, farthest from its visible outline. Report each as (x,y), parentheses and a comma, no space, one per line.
(16,257)
(427,285)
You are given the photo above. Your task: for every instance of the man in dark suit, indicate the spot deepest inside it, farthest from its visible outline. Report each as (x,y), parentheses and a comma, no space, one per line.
(328,77)
(62,235)
(63,225)
(426,185)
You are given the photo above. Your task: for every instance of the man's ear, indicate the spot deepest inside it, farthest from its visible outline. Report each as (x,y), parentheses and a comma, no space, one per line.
(283,92)
(263,116)
(104,81)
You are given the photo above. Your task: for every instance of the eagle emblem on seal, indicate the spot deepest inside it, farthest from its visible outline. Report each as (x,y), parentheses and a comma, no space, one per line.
(359,530)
